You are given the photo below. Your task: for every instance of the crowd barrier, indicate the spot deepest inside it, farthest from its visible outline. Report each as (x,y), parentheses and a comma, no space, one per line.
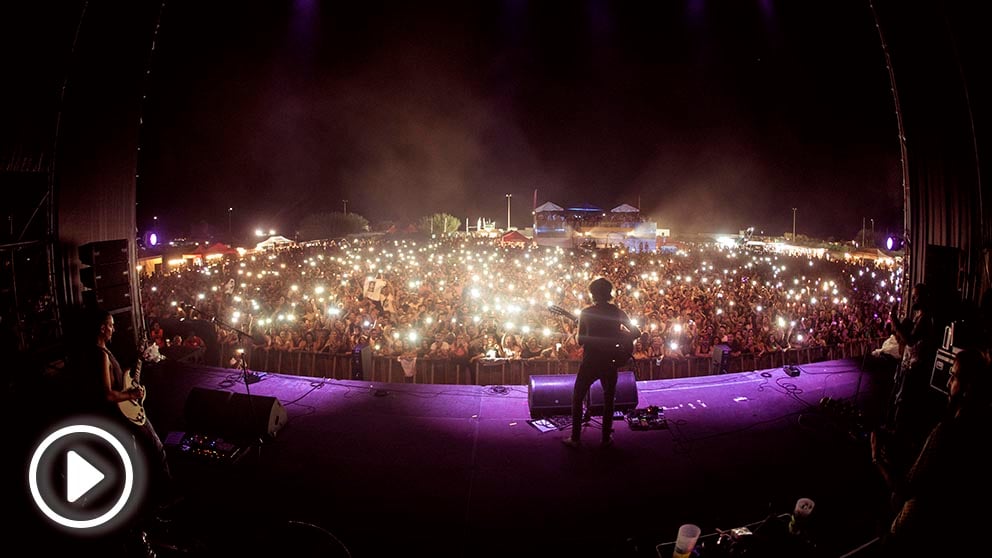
(515,371)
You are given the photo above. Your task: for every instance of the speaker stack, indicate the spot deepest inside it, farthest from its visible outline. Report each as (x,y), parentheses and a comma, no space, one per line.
(551,395)
(107,275)
(106,278)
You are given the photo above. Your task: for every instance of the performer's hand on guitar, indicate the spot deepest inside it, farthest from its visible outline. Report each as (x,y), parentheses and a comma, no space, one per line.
(136,393)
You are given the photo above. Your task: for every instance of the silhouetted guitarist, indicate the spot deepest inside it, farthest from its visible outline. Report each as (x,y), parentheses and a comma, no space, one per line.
(606,335)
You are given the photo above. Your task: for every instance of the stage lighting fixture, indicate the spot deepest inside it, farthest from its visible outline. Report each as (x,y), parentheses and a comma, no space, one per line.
(894,243)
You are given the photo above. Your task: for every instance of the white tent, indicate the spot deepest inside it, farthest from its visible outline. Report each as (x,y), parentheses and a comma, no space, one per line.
(548,206)
(625,208)
(274,242)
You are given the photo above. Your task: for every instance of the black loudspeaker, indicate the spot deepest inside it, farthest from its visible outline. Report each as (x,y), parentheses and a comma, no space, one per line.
(103,252)
(100,277)
(107,280)
(234,416)
(552,395)
(123,324)
(625,398)
(549,396)
(110,298)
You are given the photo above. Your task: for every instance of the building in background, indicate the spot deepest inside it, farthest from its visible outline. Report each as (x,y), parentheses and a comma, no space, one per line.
(591,226)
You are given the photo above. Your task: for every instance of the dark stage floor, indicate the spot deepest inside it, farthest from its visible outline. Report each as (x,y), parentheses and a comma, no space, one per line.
(444,470)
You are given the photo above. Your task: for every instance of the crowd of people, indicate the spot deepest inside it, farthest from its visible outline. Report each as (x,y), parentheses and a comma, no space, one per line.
(464,299)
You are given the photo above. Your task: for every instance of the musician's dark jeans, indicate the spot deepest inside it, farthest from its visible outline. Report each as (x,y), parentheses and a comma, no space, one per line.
(151,445)
(589,372)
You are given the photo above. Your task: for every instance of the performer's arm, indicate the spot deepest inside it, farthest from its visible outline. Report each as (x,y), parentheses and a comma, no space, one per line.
(110,393)
(583,329)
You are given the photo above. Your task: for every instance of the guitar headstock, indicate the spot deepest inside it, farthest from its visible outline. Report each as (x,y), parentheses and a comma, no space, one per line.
(559,311)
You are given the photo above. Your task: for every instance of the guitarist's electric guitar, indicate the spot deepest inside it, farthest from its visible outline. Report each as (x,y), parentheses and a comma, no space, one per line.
(623,350)
(134,409)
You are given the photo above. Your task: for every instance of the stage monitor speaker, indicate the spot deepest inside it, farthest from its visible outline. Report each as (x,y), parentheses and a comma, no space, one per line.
(103,252)
(552,395)
(100,277)
(549,396)
(625,398)
(234,416)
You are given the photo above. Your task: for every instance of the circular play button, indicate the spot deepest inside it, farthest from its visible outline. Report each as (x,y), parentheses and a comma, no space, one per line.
(87,476)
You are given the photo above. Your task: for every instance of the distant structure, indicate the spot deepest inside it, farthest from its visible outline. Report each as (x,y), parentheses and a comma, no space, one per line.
(586,225)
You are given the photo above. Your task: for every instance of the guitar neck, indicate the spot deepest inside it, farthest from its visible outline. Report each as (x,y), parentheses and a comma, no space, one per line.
(561,312)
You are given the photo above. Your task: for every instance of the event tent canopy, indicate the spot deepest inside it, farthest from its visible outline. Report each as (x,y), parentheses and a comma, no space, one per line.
(548,206)
(515,237)
(273,242)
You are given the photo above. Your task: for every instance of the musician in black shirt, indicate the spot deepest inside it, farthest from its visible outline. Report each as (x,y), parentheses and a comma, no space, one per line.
(104,389)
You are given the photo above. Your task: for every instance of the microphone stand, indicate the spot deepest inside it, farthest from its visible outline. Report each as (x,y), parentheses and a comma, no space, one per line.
(247,376)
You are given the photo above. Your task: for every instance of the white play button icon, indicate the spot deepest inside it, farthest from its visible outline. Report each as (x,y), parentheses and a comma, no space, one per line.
(80,476)
(87,473)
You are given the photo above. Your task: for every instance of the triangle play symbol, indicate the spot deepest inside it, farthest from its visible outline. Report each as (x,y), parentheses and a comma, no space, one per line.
(80,476)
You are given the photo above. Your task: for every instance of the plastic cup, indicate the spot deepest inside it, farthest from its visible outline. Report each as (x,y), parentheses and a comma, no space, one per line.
(686,541)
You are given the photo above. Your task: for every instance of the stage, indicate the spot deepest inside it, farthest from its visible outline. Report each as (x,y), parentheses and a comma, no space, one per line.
(369,469)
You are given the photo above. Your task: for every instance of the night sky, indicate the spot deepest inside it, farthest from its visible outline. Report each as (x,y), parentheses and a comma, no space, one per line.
(713,116)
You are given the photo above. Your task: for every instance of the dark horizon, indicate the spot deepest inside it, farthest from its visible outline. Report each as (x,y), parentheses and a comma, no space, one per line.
(712,118)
